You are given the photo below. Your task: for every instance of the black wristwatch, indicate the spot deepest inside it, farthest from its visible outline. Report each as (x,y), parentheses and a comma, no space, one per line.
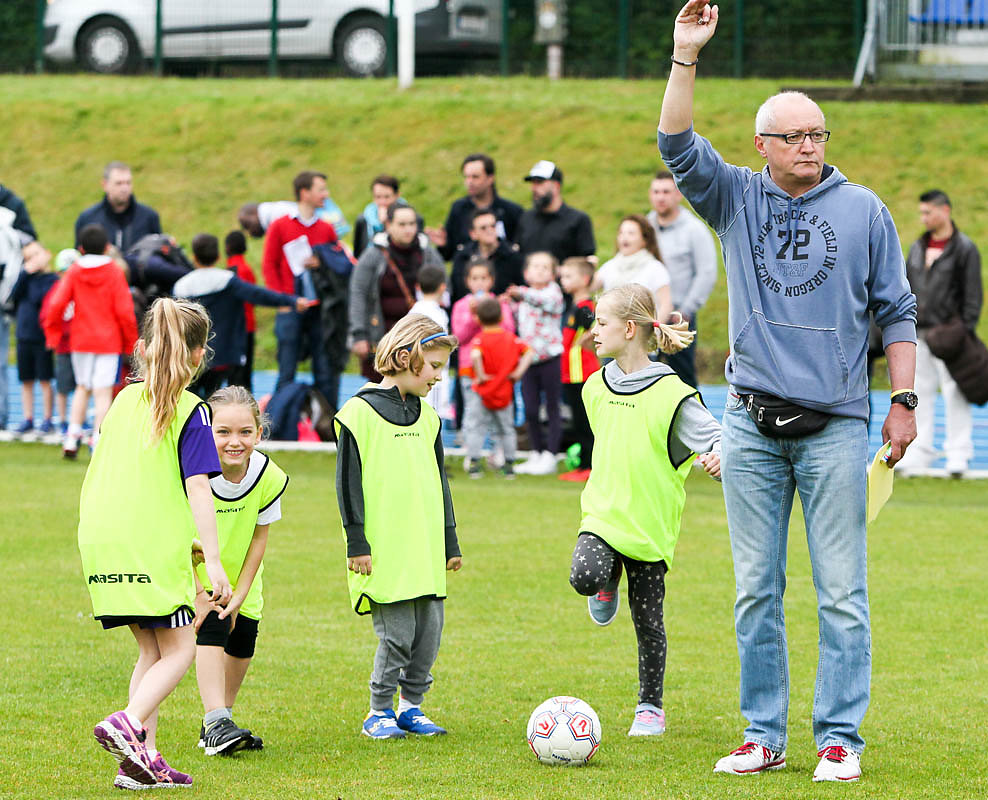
(908,399)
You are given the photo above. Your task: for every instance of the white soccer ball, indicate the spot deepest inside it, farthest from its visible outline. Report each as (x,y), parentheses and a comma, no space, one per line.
(564,730)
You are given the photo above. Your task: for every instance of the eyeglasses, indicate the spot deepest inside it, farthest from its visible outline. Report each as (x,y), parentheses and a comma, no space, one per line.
(817,137)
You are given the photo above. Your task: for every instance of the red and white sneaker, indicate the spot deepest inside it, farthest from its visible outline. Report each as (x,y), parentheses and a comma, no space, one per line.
(750,759)
(837,763)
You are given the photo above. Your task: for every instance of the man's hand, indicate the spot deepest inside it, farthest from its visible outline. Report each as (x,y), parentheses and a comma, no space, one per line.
(303,304)
(695,26)
(437,236)
(361,349)
(312,262)
(454,563)
(900,430)
(359,564)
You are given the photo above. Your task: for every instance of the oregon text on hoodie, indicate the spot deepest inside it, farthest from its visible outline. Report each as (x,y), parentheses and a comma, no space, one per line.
(802,275)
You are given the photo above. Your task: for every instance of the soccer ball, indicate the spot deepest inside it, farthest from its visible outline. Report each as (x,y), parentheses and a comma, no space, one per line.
(564,730)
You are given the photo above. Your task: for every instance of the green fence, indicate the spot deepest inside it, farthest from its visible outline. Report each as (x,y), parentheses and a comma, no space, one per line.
(605,38)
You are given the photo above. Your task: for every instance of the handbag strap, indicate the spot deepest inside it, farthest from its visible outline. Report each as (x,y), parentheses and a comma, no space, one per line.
(399,278)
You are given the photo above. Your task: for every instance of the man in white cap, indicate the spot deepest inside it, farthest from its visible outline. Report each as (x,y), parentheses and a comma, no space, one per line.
(550,224)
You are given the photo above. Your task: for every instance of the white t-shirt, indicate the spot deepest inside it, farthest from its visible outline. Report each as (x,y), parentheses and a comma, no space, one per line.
(641,267)
(227,490)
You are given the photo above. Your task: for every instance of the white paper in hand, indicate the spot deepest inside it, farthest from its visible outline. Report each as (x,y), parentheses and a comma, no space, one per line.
(296,252)
(880,477)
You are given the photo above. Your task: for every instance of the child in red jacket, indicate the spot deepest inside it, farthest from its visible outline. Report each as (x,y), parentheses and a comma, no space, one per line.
(104,327)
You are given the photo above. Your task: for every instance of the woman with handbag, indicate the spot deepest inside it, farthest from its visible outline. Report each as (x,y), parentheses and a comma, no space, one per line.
(382,289)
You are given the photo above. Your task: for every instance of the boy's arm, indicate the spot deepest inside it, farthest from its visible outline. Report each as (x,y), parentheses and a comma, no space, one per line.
(51,320)
(523,364)
(452,544)
(350,492)
(258,295)
(477,359)
(547,299)
(19,289)
(252,563)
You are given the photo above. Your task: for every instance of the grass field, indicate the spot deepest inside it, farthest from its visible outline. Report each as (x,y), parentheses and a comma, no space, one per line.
(201,148)
(515,634)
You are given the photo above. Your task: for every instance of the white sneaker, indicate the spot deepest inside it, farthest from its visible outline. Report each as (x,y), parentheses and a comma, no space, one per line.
(528,466)
(545,465)
(649,721)
(837,763)
(750,759)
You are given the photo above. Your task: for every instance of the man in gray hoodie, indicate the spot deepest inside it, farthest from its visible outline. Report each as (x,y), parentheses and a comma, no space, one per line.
(807,255)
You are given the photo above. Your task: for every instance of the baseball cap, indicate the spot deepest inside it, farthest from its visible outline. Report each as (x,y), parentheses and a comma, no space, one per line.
(544,171)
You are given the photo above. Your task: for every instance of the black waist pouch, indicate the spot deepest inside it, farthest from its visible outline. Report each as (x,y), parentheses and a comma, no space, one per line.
(781,419)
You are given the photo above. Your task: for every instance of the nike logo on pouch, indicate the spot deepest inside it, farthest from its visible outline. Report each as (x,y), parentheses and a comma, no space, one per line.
(780,422)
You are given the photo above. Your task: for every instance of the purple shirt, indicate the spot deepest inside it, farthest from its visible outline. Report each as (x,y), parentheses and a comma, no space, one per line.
(196,449)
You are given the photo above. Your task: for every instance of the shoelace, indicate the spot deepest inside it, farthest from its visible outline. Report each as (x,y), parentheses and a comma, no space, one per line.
(748,747)
(605,597)
(648,717)
(834,753)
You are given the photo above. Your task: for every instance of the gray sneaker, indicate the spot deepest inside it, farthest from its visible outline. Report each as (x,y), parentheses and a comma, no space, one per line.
(603,606)
(224,737)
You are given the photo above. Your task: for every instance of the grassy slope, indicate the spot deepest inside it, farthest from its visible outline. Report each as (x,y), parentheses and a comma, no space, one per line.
(200,148)
(515,634)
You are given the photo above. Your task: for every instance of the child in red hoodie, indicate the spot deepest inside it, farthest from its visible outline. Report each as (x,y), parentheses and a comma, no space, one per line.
(499,359)
(104,327)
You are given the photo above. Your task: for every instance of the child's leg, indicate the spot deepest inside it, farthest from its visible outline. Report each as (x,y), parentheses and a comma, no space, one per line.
(235,670)
(238,653)
(595,563)
(148,655)
(27,399)
(80,403)
(394,624)
(176,650)
(504,426)
(47,401)
(211,676)
(62,406)
(416,678)
(646,594)
(552,387)
(530,391)
(474,423)
(102,397)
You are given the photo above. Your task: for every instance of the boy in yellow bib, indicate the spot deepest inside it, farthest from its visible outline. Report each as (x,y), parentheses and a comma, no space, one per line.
(648,426)
(248,500)
(398,520)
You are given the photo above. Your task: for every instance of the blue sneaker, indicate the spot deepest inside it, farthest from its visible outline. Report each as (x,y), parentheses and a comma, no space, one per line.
(603,606)
(47,427)
(414,721)
(25,427)
(382,726)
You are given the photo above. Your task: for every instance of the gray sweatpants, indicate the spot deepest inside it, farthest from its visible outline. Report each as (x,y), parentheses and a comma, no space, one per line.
(408,635)
(478,421)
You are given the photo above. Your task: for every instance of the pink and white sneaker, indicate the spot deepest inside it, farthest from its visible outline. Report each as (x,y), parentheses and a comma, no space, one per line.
(166,777)
(837,763)
(750,759)
(125,743)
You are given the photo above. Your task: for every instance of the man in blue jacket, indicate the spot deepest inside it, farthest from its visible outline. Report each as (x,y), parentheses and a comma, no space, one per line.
(124,219)
(807,254)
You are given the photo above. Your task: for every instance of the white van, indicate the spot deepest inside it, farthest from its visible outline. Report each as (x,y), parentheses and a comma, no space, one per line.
(116,36)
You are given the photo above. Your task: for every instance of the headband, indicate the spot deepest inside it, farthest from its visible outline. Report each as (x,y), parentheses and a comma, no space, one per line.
(427,339)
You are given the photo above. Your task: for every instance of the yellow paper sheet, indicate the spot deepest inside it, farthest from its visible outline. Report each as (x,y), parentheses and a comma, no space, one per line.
(879,482)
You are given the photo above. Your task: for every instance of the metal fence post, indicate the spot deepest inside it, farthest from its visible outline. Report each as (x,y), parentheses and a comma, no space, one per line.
(273,55)
(392,40)
(624,20)
(157,38)
(739,40)
(39,36)
(505,33)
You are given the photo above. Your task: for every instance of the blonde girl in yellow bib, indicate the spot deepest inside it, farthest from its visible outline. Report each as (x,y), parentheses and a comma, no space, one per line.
(248,500)
(145,497)
(398,520)
(648,426)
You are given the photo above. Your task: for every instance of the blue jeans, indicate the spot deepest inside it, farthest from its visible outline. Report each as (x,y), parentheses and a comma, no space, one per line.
(760,478)
(290,328)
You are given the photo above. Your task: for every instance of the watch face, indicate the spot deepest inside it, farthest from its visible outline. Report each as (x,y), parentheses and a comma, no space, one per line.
(909,399)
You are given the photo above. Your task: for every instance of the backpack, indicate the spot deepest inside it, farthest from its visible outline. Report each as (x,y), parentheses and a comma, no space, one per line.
(300,404)
(143,289)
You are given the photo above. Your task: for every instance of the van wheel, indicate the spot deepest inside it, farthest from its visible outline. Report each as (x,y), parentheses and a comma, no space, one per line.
(362,46)
(107,45)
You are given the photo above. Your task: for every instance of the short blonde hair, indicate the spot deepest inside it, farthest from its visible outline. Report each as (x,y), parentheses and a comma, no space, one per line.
(402,347)
(635,303)
(234,395)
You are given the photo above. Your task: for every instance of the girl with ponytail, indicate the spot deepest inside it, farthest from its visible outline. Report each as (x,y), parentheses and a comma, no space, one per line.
(648,427)
(145,497)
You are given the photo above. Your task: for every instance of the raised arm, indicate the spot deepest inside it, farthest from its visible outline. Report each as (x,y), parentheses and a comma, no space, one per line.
(695,25)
